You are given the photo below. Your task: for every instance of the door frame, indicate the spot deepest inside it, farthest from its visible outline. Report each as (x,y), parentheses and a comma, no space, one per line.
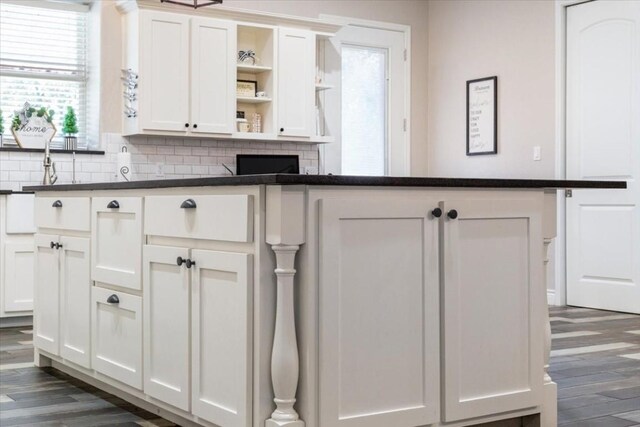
(406,30)
(558,296)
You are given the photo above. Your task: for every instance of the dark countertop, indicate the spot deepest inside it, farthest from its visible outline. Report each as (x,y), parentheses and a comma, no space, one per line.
(335,180)
(2,192)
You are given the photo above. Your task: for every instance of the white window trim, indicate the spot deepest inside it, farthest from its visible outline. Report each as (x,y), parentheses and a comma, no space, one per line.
(406,29)
(70,5)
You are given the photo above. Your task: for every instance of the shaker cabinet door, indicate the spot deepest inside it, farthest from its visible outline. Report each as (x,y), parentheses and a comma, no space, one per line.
(47,309)
(164,71)
(18,277)
(493,291)
(166,322)
(213,75)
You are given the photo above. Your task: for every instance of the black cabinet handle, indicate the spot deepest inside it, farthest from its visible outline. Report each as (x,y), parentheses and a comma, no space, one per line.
(186,125)
(188,204)
(57,204)
(195,126)
(281,129)
(179,261)
(113,299)
(190,263)
(437,213)
(58,245)
(453,214)
(113,205)
(53,245)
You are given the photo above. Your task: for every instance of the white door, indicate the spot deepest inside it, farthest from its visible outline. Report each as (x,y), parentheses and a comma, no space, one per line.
(213,75)
(380,258)
(603,142)
(164,71)
(75,301)
(222,285)
(47,294)
(368,111)
(296,91)
(166,325)
(116,323)
(18,277)
(116,239)
(492,271)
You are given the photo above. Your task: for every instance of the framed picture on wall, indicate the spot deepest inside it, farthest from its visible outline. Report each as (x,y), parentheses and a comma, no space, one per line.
(246,88)
(482,116)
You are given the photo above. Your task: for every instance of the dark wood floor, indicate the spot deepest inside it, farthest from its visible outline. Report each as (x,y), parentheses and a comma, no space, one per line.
(595,361)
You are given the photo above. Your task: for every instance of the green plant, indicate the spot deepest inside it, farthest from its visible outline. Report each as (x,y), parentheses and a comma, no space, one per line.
(15,123)
(70,125)
(1,123)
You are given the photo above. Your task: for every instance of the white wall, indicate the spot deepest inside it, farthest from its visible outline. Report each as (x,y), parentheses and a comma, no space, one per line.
(513,40)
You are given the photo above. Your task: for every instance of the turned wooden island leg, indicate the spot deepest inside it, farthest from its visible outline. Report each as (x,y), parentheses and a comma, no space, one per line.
(284,356)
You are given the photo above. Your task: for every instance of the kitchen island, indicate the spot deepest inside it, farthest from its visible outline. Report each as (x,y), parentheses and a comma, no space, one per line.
(292,300)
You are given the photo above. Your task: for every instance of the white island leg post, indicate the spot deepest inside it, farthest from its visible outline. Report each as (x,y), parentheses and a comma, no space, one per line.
(285,234)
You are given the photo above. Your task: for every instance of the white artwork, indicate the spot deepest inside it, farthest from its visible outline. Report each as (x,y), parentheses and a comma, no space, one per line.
(482,120)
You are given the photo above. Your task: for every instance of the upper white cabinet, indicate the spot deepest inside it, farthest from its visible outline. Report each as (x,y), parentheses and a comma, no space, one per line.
(296,89)
(181,70)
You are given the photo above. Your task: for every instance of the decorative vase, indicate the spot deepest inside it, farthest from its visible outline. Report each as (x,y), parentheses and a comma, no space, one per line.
(70,142)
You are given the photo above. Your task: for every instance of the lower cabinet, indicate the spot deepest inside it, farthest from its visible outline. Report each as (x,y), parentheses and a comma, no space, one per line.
(206,296)
(17,294)
(63,286)
(117,335)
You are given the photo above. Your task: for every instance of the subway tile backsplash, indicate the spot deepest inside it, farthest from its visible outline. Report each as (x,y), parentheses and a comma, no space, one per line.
(180,158)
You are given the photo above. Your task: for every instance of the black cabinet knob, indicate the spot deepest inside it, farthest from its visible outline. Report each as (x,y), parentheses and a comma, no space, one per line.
(113,205)
(58,245)
(195,126)
(281,129)
(453,214)
(186,125)
(57,204)
(437,213)
(179,261)
(53,245)
(113,299)
(189,263)
(188,204)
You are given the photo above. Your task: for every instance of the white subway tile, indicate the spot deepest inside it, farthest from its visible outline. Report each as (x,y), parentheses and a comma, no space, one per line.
(191,160)
(183,151)
(183,169)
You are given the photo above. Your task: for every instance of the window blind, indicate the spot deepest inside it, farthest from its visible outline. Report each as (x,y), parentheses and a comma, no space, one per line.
(43,61)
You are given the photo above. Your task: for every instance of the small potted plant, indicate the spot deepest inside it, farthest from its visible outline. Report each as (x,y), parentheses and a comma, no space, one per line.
(70,129)
(1,128)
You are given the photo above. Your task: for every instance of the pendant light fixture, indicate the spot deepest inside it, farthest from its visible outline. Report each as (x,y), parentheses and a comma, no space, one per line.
(193,3)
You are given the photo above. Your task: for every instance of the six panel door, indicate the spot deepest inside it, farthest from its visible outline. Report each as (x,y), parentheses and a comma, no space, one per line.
(47,294)
(18,277)
(493,294)
(75,301)
(378,368)
(222,336)
(166,322)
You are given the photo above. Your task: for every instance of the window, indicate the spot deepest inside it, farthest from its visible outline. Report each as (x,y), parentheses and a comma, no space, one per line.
(43,61)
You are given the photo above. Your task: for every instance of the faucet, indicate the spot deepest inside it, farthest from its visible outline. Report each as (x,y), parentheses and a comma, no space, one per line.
(50,176)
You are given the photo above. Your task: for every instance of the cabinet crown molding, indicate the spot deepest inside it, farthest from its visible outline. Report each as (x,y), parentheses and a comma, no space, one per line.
(320,27)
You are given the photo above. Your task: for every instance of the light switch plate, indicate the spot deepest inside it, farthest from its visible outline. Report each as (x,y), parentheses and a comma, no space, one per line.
(537,153)
(159,170)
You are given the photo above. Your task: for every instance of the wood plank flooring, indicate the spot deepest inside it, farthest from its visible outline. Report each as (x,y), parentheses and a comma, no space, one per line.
(595,361)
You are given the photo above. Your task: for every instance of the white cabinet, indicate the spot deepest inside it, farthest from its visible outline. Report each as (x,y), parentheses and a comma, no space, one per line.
(164,71)
(492,302)
(296,91)
(117,335)
(61,323)
(75,300)
(379,258)
(166,321)
(46,329)
(222,336)
(17,292)
(63,213)
(116,239)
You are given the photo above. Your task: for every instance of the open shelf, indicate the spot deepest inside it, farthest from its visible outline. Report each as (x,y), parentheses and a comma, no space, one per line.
(252,69)
(255,100)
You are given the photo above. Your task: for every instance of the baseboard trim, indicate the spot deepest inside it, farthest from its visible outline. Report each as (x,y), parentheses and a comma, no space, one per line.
(551,297)
(12,322)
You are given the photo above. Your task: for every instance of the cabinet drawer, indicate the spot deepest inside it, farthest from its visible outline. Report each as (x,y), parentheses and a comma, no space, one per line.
(117,335)
(223,217)
(64,213)
(116,238)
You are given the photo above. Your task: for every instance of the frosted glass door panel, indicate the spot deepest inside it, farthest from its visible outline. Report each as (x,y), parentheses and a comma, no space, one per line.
(364,110)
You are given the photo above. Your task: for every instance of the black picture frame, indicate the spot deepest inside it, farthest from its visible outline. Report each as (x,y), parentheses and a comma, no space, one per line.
(494,99)
(252,82)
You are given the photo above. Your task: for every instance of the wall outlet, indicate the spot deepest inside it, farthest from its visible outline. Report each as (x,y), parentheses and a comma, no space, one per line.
(311,170)
(537,153)
(159,170)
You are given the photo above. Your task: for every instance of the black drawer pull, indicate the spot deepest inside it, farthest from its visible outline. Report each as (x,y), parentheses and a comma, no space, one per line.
(53,245)
(453,214)
(57,204)
(113,205)
(113,299)
(437,213)
(179,261)
(188,204)
(58,245)
(190,263)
